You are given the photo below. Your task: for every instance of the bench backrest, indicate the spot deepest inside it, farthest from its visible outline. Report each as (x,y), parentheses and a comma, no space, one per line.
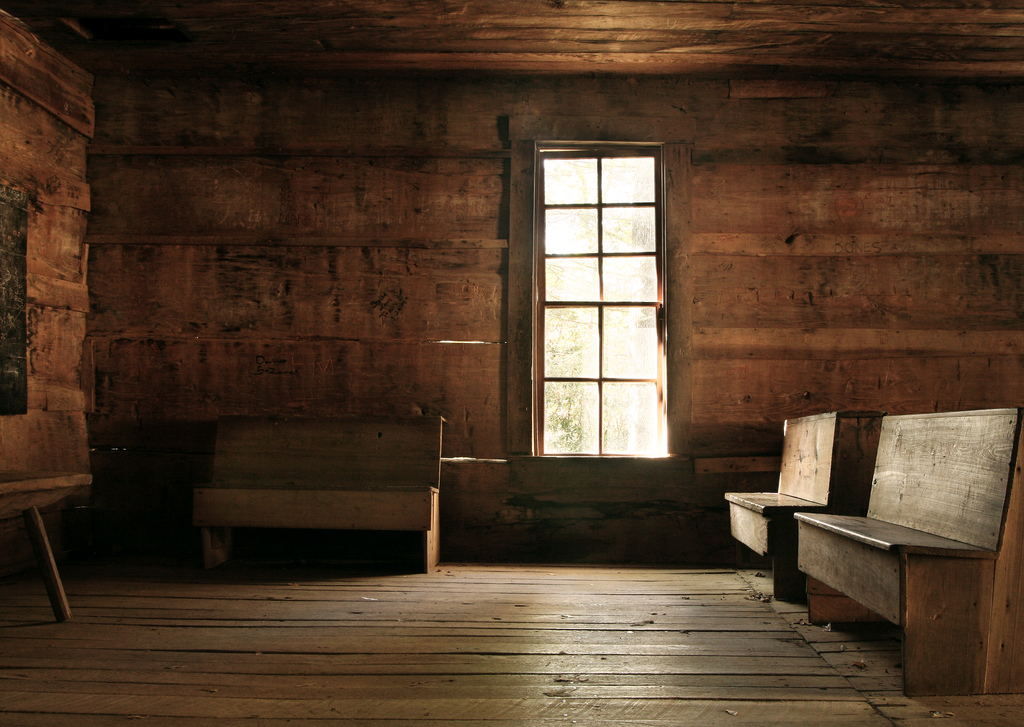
(828,459)
(364,453)
(947,474)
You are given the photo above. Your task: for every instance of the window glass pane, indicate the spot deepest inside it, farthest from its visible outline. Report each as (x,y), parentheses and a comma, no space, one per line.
(572,279)
(570,181)
(630,343)
(630,418)
(631,279)
(627,180)
(570,342)
(570,418)
(629,229)
(571,231)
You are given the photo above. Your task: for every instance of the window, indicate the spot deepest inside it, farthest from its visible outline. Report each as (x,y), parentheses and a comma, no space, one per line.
(599,333)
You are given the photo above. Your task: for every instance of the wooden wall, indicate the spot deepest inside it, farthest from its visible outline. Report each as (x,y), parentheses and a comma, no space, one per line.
(46,118)
(340,246)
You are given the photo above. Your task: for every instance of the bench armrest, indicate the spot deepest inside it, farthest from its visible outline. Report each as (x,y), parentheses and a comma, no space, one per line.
(887,536)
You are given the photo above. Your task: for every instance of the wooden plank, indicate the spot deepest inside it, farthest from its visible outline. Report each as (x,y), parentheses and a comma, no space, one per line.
(55,247)
(57,293)
(327,509)
(946,474)
(808,455)
(428,116)
(55,364)
(679,294)
(246,239)
(896,242)
(34,141)
(420,198)
(160,394)
(44,76)
(864,573)
(854,114)
(749,527)
(851,199)
(739,404)
(888,536)
(882,291)
(832,343)
(1005,658)
(521,314)
(771,503)
(946,628)
(676,129)
(356,293)
(328,454)
(710,465)
(44,441)
(23,490)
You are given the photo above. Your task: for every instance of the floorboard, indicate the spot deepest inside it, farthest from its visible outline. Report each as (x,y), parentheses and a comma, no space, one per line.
(467,645)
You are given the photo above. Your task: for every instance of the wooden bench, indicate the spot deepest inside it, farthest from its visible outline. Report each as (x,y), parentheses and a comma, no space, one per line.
(827,461)
(342,474)
(940,551)
(25,493)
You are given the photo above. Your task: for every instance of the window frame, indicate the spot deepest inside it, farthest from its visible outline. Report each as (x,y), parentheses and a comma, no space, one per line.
(676,131)
(600,151)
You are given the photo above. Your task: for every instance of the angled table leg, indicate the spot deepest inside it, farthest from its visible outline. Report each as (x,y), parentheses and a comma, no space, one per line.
(44,557)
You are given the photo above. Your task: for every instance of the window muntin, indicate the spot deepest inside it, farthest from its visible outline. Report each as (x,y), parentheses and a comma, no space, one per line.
(600,342)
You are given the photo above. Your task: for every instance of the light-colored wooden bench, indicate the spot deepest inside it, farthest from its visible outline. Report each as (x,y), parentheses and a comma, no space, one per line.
(941,550)
(25,493)
(827,461)
(341,474)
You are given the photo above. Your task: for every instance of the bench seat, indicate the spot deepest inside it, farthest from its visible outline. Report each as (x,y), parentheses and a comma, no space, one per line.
(888,536)
(771,503)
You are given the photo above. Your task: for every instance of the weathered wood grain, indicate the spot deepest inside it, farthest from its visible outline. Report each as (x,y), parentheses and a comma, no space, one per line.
(297,292)
(43,440)
(903,292)
(862,198)
(850,343)
(55,377)
(485,645)
(427,198)
(41,144)
(946,475)
(148,386)
(55,243)
(46,77)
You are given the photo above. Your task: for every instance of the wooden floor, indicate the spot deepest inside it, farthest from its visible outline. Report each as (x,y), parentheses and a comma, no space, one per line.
(465,645)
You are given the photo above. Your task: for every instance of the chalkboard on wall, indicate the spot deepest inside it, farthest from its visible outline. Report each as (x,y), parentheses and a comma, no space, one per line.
(13,335)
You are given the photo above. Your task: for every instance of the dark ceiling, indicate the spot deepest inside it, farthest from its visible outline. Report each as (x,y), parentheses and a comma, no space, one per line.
(957,39)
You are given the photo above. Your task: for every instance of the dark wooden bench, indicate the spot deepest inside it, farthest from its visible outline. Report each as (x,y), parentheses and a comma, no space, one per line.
(25,493)
(342,474)
(827,461)
(941,550)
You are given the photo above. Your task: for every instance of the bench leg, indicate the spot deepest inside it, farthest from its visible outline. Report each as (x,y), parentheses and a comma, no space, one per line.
(946,602)
(788,583)
(44,557)
(217,543)
(432,537)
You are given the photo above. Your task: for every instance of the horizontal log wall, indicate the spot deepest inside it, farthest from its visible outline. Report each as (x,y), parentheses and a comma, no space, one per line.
(45,124)
(336,247)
